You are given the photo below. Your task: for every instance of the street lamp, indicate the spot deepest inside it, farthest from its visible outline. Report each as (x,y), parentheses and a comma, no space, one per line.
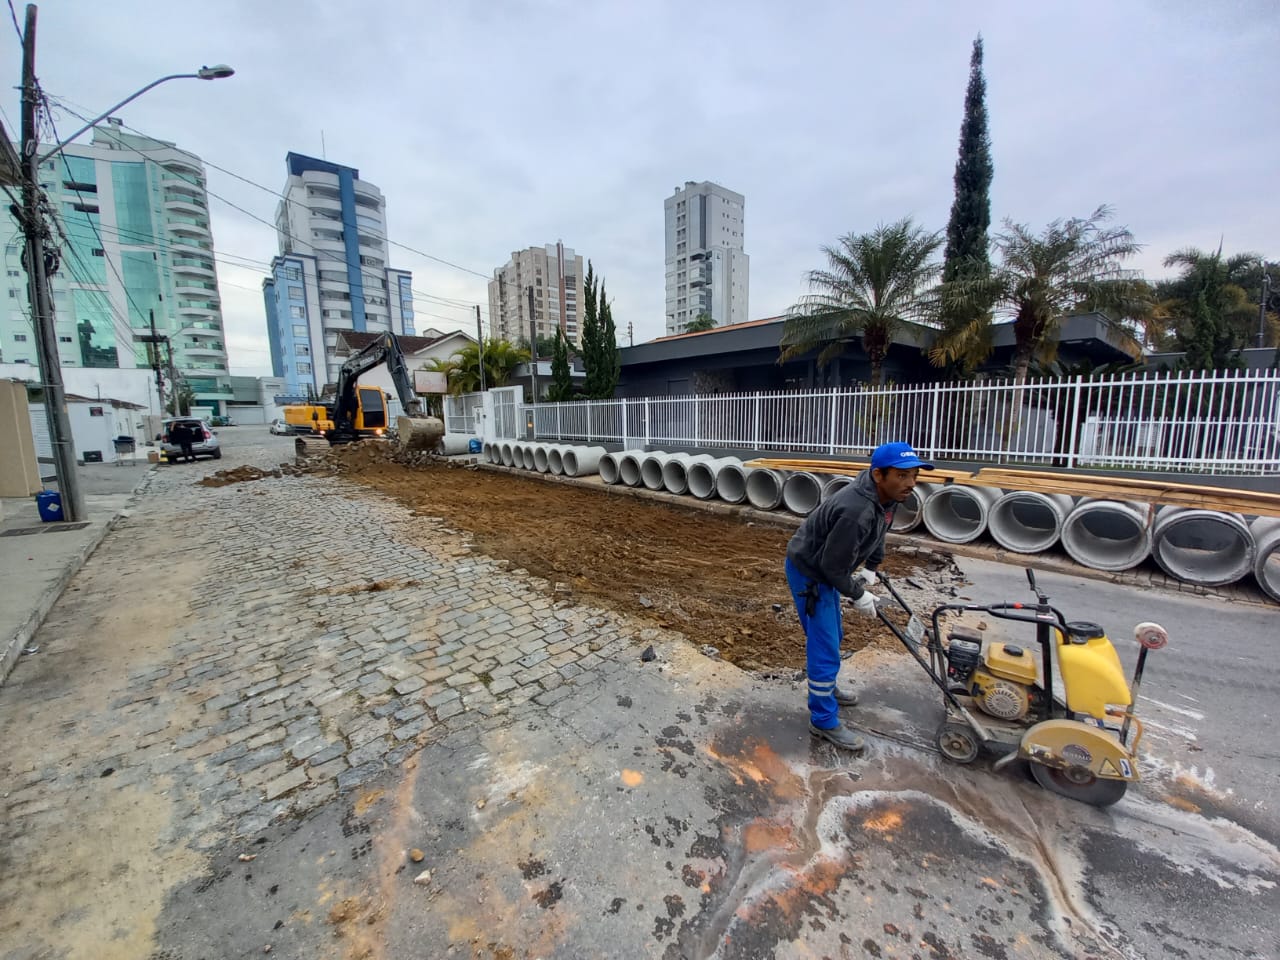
(216,72)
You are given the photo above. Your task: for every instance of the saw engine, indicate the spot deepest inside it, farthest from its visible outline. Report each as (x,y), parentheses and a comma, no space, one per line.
(1001,677)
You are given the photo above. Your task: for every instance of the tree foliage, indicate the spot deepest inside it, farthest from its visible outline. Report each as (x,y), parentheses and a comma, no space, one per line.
(701,323)
(600,359)
(874,283)
(1211,307)
(1072,265)
(965,335)
(561,388)
(462,370)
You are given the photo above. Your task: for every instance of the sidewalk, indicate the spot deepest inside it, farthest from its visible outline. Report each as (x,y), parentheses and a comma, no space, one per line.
(38,559)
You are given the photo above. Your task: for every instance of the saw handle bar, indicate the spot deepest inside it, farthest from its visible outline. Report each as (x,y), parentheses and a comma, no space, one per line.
(1037,613)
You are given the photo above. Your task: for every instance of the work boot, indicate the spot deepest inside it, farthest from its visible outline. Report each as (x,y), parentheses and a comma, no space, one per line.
(841,736)
(845,697)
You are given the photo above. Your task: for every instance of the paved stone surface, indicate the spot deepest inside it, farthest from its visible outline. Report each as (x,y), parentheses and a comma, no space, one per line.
(231,740)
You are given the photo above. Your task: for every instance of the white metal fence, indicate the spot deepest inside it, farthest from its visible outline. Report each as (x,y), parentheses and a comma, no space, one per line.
(1202,423)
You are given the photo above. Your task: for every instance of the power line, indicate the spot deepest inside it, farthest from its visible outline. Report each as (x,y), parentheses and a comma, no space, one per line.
(17,29)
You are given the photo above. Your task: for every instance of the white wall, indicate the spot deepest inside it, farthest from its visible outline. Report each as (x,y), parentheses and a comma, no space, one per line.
(89,432)
(132,385)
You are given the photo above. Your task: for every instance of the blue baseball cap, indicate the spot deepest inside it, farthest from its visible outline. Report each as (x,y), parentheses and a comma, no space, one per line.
(900,455)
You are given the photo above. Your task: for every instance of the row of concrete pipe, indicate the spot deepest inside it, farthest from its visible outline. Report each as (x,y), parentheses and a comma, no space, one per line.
(1199,546)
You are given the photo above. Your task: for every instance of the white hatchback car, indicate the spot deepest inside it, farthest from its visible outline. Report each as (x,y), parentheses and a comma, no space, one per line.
(206,447)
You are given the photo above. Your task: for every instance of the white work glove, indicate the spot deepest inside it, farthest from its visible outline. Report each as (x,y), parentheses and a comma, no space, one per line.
(866,604)
(868,577)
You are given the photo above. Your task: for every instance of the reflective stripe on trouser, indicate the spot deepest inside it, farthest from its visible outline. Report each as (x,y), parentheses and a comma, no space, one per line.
(823,632)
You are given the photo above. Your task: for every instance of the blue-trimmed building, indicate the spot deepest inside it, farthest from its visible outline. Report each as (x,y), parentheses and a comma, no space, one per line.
(331,274)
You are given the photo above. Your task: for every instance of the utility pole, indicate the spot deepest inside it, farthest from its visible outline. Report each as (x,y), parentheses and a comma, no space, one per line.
(1262,306)
(533,348)
(480,340)
(631,334)
(55,399)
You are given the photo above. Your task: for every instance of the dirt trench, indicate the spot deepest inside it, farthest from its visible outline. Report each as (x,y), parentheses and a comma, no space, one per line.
(716,579)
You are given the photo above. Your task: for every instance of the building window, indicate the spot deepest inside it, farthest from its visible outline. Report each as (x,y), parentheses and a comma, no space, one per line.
(296,293)
(65,340)
(301,350)
(299,330)
(297,313)
(292,273)
(304,369)
(20,337)
(14,273)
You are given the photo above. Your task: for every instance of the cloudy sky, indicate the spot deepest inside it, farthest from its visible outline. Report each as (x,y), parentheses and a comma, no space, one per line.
(494,126)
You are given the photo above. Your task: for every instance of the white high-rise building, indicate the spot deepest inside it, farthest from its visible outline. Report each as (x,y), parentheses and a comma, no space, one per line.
(332,272)
(707,270)
(555,273)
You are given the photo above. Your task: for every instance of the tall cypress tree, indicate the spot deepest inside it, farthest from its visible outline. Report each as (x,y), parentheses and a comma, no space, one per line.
(966,255)
(607,361)
(590,328)
(561,380)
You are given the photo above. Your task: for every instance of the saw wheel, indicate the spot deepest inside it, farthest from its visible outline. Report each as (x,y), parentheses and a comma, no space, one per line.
(1077,783)
(958,743)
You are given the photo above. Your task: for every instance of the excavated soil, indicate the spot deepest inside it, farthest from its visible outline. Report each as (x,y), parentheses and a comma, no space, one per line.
(716,579)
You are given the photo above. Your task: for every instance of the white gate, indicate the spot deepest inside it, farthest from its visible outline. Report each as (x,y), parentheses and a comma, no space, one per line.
(507,402)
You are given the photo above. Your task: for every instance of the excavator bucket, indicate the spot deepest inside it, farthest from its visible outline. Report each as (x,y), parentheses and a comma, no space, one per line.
(419,433)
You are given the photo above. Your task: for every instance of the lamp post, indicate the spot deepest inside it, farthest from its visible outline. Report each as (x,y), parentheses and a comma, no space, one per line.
(216,72)
(1262,306)
(39,263)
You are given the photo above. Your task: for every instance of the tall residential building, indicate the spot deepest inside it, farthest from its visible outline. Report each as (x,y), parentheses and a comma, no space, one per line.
(556,274)
(331,274)
(135,217)
(707,270)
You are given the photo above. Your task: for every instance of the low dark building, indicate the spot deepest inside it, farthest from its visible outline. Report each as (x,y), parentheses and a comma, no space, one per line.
(744,358)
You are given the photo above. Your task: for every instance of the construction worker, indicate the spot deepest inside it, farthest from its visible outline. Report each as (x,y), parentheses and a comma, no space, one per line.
(843,534)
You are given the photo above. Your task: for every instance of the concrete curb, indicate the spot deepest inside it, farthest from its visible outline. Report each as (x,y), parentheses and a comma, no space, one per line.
(52,592)
(1142,579)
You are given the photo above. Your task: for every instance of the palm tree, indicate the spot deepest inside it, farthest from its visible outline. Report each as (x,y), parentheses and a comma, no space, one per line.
(1212,314)
(1073,265)
(501,357)
(874,283)
(701,323)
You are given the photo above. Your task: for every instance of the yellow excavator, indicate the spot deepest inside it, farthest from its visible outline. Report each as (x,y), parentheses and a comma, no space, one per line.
(361,412)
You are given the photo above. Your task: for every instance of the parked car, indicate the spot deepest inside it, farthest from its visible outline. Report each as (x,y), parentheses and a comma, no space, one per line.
(281,428)
(206,447)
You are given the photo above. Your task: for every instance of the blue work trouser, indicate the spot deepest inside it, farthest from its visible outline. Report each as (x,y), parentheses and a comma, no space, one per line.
(823,632)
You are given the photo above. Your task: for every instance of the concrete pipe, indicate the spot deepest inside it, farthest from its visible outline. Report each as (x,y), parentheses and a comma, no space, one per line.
(651,469)
(555,458)
(540,461)
(731,483)
(526,455)
(610,467)
(508,454)
(911,511)
(629,466)
(1266,564)
(1028,522)
(802,492)
(835,483)
(453,444)
(764,488)
(702,475)
(486,451)
(582,461)
(1107,534)
(956,514)
(675,475)
(1204,547)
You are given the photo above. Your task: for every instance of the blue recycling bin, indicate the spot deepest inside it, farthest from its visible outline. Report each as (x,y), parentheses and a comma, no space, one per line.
(474,445)
(49,503)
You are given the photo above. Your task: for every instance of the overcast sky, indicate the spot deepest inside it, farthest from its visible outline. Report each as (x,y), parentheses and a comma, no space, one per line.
(495,126)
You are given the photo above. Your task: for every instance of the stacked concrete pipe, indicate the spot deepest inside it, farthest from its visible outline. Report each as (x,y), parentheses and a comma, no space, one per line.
(527,453)
(1204,547)
(555,458)
(1265,532)
(582,461)
(834,485)
(1027,522)
(508,455)
(1107,534)
(910,512)
(731,483)
(764,488)
(486,451)
(629,467)
(675,475)
(610,465)
(802,492)
(541,463)
(958,514)
(651,468)
(702,475)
